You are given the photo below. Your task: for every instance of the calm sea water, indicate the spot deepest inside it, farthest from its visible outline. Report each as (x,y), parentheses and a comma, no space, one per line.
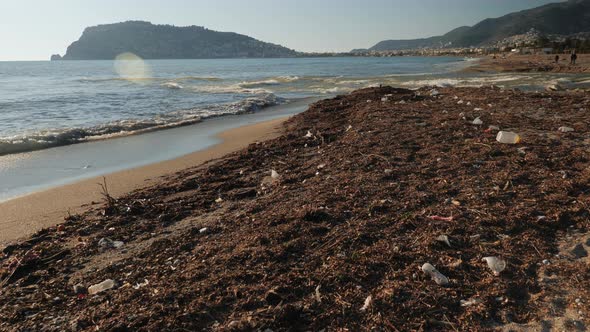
(45,104)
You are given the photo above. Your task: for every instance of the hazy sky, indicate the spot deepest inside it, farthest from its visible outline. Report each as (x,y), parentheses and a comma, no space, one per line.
(35,29)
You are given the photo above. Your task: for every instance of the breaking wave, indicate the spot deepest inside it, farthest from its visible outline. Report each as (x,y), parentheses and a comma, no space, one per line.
(59,137)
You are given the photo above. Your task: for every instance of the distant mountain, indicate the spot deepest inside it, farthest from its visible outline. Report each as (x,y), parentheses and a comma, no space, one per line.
(149,41)
(562,18)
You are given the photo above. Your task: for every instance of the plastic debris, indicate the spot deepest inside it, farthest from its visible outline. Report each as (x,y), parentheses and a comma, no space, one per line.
(566,129)
(460,102)
(470,302)
(497,265)
(438,277)
(142,284)
(507,137)
(368,303)
(103,286)
(318,295)
(108,243)
(308,135)
(274,175)
(384,99)
(444,239)
(440,218)
(477,121)
(219,200)
(434,92)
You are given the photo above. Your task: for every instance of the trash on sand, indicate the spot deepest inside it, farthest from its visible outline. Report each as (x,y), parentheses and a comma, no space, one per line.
(274,175)
(522,150)
(497,265)
(384,99)
(103,286)
(434,92)
(477,121)
(566,129)
(203,230)
(348,128)
(108,243)
(508,137)
(368,302)
(469,303)
(444,239)
(440,218)
(318,295)
(438,277)
(308,135)
(493,128)
(219,200)
(142,284)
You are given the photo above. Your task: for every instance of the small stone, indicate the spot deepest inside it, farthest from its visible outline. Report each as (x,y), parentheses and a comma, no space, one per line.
(80,289)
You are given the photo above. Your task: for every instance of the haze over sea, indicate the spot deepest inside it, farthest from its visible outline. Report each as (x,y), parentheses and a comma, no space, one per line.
(47,104)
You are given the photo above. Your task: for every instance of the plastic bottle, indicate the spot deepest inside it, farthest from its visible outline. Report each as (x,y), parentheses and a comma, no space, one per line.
(103,286)
(508,137)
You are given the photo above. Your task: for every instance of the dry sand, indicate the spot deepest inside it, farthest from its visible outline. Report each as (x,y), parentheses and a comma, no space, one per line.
(25,215)
(532,63)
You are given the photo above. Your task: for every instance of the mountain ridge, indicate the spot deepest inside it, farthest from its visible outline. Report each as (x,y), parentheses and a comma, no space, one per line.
(150,41)
(561,18)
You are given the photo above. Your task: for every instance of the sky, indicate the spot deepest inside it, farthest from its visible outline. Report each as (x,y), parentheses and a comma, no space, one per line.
(35,29)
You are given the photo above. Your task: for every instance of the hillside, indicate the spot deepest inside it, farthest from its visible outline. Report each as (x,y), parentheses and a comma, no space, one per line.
(564,18)
(149,41)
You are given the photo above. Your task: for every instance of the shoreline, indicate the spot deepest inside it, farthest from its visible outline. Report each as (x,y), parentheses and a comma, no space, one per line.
(25,215)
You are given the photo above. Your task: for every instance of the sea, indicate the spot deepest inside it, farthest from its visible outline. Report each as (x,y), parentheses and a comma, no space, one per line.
(47,105)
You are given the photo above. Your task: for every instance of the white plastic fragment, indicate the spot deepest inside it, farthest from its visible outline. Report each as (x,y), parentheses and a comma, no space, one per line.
(469,303)
(444,239)
(566,129)
(434,92)
(507,137)
(108,243)
(141,284)
(318,295)
(203,230)
(274,175)
(219,200)
(384,99)
(368,302)
(477,121)
(438,277)
(348,128)
(494,128)
(103,286)
(497,265)
(308,135)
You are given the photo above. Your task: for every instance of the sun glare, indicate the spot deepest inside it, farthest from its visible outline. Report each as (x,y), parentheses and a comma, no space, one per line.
(131,67)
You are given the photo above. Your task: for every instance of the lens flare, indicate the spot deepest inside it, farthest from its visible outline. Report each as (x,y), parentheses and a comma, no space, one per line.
(131,67)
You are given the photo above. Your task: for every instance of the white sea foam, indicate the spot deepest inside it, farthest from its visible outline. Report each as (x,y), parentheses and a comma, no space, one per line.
(58,137)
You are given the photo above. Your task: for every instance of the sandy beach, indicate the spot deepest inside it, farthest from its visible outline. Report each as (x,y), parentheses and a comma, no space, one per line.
(383,209)
(532,63)
(26,215)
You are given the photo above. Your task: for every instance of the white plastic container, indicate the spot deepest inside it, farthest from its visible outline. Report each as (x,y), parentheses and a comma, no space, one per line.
(507,137)
(103,286)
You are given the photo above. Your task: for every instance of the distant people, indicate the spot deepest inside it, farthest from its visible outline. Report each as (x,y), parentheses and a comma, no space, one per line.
(573,58)
(557,58)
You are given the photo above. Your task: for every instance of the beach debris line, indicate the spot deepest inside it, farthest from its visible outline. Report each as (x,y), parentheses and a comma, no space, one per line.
(439,278)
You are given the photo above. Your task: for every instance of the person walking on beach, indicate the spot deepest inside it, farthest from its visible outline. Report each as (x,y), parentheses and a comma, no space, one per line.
(573,58)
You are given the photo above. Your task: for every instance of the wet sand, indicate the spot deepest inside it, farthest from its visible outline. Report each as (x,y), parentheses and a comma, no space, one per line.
(26,215)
